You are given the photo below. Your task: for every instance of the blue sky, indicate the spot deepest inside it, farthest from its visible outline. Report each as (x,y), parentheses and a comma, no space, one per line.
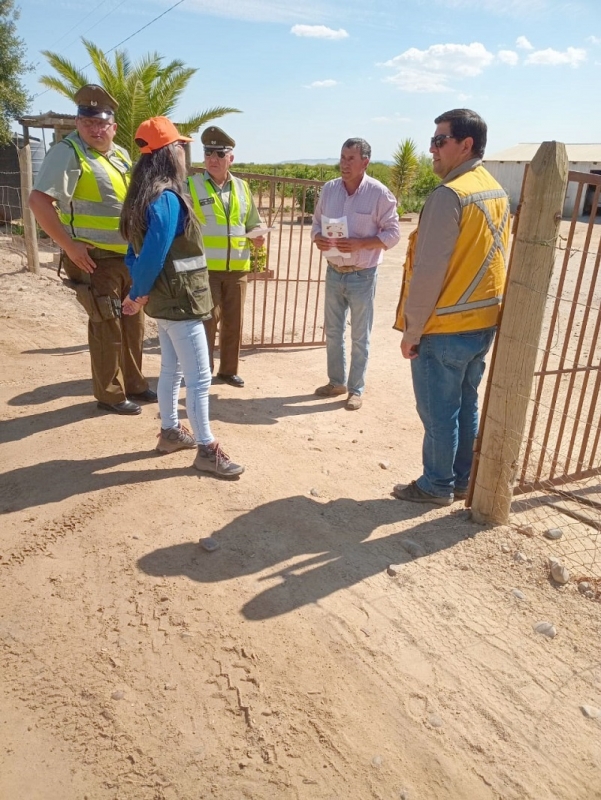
(307,75)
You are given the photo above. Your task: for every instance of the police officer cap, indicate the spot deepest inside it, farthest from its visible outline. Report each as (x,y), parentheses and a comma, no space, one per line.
(93,101)
(214,138)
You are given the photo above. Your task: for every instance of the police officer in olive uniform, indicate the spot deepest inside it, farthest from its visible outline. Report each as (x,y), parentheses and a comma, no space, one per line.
(77,199)
(227,212)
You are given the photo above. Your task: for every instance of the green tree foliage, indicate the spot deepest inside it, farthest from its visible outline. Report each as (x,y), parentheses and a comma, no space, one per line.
(145,88)
(381,172)
(404,169)
(14,100)
(417,190)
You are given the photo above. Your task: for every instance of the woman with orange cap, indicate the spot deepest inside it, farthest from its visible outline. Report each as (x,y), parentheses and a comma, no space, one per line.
(170,280)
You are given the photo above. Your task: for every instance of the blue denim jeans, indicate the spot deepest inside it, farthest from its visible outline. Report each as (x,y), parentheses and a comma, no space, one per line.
(184,353)
(354,291)
(446,375)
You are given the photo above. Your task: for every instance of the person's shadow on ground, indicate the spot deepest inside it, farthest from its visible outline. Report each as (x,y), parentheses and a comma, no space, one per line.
(245,411)
(55,481)
(328,542)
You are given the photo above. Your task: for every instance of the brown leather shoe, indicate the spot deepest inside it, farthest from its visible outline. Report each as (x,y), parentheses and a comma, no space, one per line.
(330,390)
(413,494)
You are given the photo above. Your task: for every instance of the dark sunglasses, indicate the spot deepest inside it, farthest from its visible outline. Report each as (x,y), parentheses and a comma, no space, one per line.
(439,140)
(218,153)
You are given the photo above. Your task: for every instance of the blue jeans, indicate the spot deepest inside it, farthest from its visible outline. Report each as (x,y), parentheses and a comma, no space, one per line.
(184,353)
(354,291)
(446,375)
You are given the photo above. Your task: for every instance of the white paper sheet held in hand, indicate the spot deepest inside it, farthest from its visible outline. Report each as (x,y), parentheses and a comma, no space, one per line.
(334,229)
(263,230)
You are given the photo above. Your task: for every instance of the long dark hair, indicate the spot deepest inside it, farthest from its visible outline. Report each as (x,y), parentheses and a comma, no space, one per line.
(152,175)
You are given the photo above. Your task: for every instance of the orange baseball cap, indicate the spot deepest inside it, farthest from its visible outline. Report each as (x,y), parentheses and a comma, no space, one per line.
(157,132)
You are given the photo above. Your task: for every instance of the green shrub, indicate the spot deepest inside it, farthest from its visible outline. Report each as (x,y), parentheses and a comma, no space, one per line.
(258,258)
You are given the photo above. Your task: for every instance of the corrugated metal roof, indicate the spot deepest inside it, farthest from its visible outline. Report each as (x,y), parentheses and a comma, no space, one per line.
(526,152)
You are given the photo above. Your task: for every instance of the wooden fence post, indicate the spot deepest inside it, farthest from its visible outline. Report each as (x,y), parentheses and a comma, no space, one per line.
(510,383)
(29,227)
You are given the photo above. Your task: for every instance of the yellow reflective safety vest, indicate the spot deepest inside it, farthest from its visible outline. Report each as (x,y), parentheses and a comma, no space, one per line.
(98,198)
(224,235)
(472,291)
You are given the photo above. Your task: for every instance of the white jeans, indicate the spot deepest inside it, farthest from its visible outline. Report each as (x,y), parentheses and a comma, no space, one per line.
(184,353)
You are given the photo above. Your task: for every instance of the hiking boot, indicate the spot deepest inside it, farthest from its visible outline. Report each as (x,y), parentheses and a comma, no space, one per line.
(330,390)
(354,402)
(414,494)
(461,494)
(172,439)
(211,458)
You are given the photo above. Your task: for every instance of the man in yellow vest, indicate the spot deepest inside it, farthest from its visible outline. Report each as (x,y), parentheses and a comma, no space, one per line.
(227,212)
(77,199)
(450,302)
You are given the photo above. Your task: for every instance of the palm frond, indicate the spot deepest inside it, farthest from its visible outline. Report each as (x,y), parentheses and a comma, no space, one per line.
(72,78)
(194,123)
(144,88)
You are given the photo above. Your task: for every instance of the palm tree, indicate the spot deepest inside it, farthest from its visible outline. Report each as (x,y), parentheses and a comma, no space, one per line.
(405,167)
(143,89)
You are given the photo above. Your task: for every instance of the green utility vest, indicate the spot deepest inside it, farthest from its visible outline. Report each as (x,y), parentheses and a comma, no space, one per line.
(98,198)
(224,237)
(182,289)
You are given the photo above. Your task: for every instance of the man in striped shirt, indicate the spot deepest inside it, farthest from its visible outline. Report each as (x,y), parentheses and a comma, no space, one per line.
(368,211)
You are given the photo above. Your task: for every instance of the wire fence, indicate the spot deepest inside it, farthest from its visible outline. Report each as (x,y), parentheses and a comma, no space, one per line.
(12,233)
(556,509)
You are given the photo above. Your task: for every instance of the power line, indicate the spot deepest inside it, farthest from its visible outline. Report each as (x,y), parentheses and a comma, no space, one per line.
(112,11)
(135,33)
(93,11)
(179,2)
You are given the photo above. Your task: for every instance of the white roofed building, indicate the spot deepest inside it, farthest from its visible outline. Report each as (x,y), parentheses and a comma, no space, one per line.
(508,167)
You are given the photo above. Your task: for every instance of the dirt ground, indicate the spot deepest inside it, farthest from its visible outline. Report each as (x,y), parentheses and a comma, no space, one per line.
(288,664)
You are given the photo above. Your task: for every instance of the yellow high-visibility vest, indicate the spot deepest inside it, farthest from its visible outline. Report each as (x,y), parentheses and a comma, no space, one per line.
(224,237)
(98,198)
(472,290)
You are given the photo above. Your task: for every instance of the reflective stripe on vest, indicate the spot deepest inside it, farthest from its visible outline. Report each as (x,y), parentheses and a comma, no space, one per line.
(98,198)
(224,237)
(478,199)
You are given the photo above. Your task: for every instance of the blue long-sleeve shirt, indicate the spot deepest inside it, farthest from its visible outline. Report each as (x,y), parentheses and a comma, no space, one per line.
(166,219)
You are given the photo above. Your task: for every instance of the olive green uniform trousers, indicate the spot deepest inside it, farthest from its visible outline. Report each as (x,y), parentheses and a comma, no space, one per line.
(228,288)
(115,341)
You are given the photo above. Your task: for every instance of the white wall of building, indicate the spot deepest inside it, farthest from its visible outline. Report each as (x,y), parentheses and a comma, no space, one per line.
(510,175)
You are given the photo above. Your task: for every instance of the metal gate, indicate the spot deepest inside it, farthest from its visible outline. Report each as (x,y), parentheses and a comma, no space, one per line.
(284,300)
(562,444)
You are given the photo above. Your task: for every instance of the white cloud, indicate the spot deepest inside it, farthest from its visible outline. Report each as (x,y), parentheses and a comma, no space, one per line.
(523,43)
(594,39)
(431,70)
(318,32)
(573,56)
(508,57)
(322,84)
(412,80)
